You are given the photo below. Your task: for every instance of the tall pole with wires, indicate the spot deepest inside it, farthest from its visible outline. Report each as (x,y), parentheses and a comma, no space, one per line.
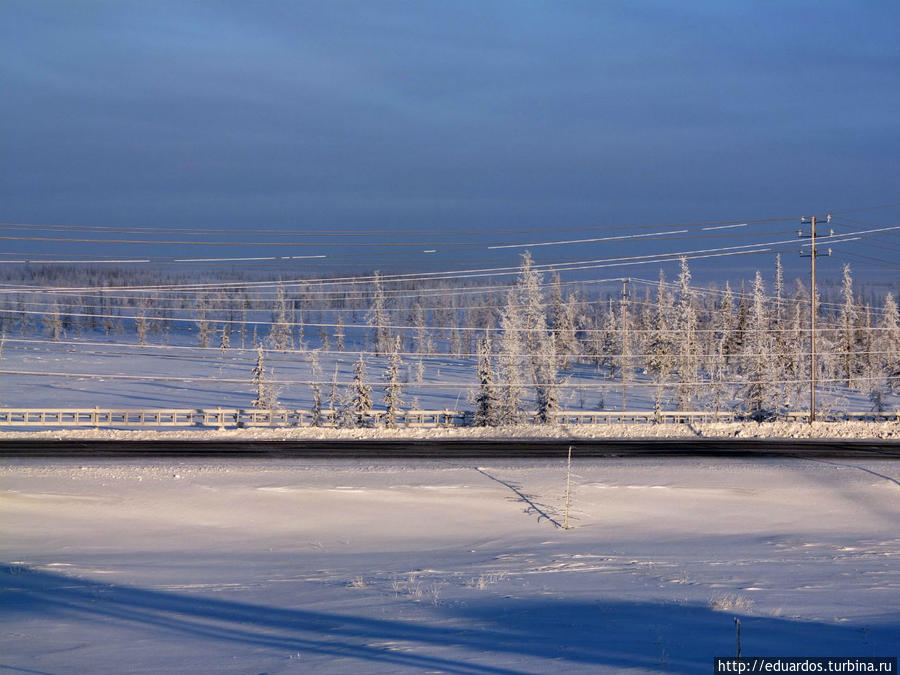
(813,253)
(625,352)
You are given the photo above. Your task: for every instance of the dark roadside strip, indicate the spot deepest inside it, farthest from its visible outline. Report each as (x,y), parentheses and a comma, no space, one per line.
(442,449)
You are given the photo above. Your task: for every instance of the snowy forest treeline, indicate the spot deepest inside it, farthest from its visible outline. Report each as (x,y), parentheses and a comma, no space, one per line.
(744,348)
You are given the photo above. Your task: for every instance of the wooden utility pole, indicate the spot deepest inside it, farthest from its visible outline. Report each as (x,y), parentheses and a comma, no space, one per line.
(568,489)
(813,253)
(625,362)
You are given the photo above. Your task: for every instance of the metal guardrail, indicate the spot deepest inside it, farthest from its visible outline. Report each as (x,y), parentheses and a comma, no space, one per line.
(223,418)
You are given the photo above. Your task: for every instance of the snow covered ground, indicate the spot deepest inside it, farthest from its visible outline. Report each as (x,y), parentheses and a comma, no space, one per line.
(338,567)
(115,373)
(823,430)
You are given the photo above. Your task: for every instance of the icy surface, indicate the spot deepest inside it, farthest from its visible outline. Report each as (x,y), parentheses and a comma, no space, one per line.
(357,567)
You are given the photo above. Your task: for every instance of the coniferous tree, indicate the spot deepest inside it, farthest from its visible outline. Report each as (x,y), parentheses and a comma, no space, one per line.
(280,333)
(140,322)
(266,394)
(686,336)
(562,323)
(608,345)
(846,342)
(565,331)
(333,394)
(298,321)
(509,361)
(726,324)
(487,401)
(202,322)
(378,318)
(360,395)
(53,322)
(873,380)
(546,373)
(315,373)
(889,342)
(779,291)
(419,320)
(626,359)
(660,349)
(537,340)
(759,392)
(339,333)
(225,339)
(393,390)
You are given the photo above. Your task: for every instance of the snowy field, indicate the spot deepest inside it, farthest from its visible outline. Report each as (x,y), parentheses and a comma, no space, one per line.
(114,373)
(347,567)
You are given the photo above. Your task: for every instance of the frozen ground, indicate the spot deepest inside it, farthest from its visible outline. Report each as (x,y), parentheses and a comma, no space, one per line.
(347,567)
(115,373)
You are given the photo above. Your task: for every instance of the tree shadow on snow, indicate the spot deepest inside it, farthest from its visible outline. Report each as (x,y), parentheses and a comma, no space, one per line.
(573,635)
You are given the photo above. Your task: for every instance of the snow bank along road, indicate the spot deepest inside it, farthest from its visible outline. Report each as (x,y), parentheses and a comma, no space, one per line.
(453,448)
(287,566)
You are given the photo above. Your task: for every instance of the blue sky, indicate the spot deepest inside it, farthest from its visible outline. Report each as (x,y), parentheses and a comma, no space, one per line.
(450,120)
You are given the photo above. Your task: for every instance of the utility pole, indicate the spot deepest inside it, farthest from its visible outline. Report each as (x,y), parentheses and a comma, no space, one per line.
(813,253)
(625,362)
(568,488)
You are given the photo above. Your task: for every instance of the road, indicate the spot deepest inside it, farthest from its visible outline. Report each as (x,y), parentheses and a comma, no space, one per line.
(455,448)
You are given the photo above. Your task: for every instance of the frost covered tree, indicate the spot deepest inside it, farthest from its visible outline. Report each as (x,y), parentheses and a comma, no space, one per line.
(487,401)
(846,342)
(297,320)
(315,375)
(393,390)
(660,349)
(760,390)
(888,341)
(529,298)
(688,348)
(784,358)
(563,323)
(280,333)
(607,344)
(202,323)
(266,394)
(872,381)
(339,333)
(546,385)
(53,322)
(779,291)
(526,346)
(509,361)
(333,394)
(537,340)
(716,393)
(725,324)
(361,395)
(378,318)
(141,323)
(419,319)
(224,339)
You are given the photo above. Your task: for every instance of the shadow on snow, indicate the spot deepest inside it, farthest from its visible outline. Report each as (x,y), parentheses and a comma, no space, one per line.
(675,637)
